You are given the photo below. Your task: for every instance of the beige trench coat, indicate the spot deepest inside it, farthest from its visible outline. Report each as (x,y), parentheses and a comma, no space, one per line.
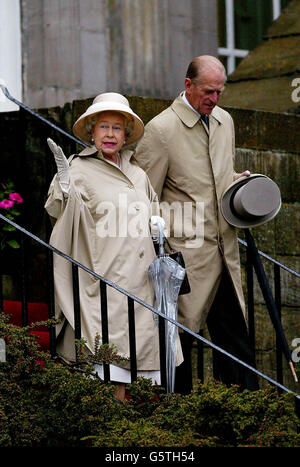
(91,228)
(191,167)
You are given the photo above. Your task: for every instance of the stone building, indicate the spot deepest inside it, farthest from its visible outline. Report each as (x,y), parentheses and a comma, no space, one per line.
(56,51)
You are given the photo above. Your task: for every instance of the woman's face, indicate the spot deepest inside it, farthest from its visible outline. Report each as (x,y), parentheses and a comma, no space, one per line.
(109,134)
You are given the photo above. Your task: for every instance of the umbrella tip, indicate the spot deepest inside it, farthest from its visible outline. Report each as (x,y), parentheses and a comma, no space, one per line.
(293,371)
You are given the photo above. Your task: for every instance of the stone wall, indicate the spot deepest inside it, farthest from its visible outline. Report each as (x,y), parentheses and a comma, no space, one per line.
(266,143)
(73,48)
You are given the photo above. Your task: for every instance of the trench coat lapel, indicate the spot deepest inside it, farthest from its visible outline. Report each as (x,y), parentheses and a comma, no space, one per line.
(186,115)
(190,118)
(215,120)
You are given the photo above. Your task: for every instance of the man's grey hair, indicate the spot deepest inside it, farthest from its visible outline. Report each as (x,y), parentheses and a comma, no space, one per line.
(204,62)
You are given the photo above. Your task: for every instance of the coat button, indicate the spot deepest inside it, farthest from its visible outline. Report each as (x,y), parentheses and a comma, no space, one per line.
(141,254)
(130,186)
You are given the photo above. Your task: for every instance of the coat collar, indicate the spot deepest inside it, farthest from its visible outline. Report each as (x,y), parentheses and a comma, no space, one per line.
(189,117)
(125,153)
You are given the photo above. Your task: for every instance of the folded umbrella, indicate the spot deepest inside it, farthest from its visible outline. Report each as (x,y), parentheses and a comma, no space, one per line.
(167,276)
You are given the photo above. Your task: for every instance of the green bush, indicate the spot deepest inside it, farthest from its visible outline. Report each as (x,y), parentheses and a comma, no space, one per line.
(44,403)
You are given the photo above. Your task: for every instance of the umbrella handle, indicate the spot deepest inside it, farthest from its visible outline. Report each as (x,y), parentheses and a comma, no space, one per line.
(160,238)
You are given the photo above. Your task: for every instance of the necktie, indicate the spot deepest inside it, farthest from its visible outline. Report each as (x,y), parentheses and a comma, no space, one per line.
(205,119)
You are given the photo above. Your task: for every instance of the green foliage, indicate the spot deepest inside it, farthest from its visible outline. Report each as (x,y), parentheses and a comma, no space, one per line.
(44,403)
(107,353)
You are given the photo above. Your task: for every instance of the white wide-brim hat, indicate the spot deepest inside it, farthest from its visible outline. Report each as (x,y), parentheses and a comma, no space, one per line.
(251,201)
(109,101)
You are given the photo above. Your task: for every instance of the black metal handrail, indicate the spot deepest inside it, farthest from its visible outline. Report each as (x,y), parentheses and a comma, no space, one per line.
(131,299)
(273,304)
(273,260)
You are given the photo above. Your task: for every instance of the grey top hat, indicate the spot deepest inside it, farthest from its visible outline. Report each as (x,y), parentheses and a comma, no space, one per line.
(251,201)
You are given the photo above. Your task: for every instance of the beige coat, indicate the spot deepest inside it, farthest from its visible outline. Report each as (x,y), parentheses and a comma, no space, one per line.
(189,166)
(91,227)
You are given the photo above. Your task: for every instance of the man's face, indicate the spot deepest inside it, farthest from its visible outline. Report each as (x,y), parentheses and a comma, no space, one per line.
(204,95)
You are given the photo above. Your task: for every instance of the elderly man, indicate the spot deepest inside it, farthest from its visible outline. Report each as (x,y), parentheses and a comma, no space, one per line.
(188,153)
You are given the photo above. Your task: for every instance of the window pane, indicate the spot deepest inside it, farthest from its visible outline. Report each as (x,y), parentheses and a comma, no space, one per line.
(222,23)
(251,19)
(224,61)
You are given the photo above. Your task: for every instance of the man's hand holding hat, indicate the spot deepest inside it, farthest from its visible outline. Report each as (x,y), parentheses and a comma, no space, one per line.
(246,173)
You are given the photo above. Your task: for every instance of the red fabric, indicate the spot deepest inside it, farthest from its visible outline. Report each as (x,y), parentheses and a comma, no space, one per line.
(42,338)
(36,312)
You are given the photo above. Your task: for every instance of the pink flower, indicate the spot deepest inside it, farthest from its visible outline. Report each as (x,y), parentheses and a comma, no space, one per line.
(16,197)
(6,204)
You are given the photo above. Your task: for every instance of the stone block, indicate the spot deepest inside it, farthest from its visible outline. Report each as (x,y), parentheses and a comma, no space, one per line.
(291,324)
(290,292)
(287,230)
(266,130)
(282,167)
(147,107)
(265,336)
(290,295)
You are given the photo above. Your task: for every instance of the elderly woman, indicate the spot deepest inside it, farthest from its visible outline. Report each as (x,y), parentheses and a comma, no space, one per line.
(102,202)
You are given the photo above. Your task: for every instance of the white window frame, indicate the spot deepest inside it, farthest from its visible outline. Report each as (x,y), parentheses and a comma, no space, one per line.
(10,53)
(230,51)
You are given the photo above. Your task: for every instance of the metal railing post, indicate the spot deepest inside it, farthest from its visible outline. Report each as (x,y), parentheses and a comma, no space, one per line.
(52,334)
(76,304)
(269,300)
(162,351)
(277,286)
(23,282)
(104,321)
(250,300)
(132,340)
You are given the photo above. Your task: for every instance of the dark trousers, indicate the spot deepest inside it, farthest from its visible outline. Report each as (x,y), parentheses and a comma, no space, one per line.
(228,330)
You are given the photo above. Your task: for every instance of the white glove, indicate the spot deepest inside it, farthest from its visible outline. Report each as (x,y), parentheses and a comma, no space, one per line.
(155,222)
(62,166)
